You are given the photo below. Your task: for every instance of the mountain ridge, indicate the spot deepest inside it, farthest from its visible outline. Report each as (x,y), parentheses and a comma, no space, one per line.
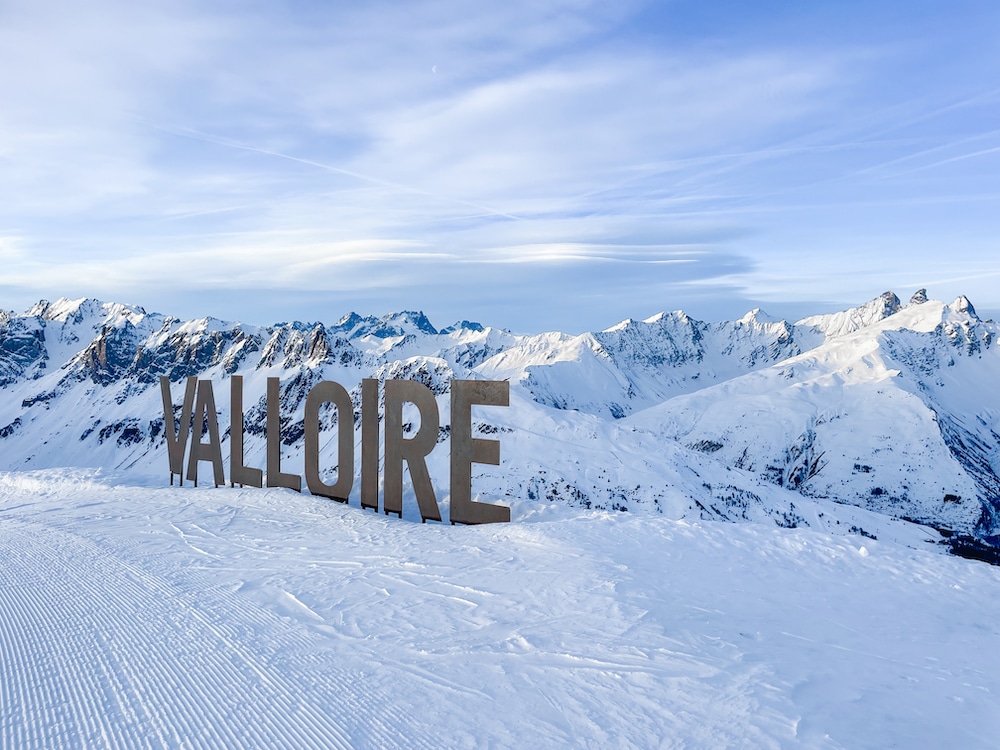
(753,419)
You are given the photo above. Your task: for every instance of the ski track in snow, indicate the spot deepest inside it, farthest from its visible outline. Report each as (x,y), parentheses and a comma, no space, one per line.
(103,653)
(210,618)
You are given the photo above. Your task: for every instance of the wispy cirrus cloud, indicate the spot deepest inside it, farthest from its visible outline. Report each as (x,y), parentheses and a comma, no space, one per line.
(506,161)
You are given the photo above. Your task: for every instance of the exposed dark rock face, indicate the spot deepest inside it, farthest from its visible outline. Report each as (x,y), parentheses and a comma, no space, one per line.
(22,348)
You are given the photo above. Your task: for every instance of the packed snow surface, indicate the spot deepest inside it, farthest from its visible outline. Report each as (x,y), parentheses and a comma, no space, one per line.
(141,616)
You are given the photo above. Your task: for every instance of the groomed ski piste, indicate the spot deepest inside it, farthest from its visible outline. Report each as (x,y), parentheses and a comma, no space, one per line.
(138,615)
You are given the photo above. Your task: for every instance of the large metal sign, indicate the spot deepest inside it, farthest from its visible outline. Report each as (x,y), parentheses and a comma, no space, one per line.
(198,409)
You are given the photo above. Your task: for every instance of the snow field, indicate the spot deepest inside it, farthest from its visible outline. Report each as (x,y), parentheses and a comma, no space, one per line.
(144,616)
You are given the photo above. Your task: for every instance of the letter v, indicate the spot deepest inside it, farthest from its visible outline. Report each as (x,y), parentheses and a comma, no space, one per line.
(177,439)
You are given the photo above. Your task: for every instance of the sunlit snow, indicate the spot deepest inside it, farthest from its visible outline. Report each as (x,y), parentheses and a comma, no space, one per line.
(136,616)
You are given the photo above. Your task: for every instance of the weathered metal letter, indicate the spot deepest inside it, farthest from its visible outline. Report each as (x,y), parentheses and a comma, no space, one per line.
(413,450)
(467,450)
(176,442)
(212,450)
(369,443)
(275,476)
(238,473)
(329,392)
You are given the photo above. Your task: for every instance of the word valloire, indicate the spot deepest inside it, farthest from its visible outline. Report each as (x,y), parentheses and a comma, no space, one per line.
(199,401)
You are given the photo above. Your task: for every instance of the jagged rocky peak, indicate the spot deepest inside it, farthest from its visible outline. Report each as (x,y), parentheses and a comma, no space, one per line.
(962,305)
(75,311)
(887,303)
(623,325)
(855,318)
(66,310)
(38,309)
(661,322)
(349,320)
(919,297)
(663,339)
(678,316)
(758,316)
(757,323)
(463,325)
(207,324)
(399,324)
(403,323)
(675,329)
(355,326)
(662,319)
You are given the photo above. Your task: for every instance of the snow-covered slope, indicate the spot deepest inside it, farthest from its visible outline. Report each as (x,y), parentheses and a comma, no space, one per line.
(880,412)
(136,616)
(637,364)
(855,318)
(896,416)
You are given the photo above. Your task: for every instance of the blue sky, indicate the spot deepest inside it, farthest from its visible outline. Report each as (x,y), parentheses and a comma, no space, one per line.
(530,165)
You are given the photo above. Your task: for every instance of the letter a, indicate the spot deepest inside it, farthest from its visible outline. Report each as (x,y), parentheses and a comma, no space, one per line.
(212,450)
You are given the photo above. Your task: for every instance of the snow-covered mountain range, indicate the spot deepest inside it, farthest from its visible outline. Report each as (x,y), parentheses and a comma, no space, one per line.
(881,419)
